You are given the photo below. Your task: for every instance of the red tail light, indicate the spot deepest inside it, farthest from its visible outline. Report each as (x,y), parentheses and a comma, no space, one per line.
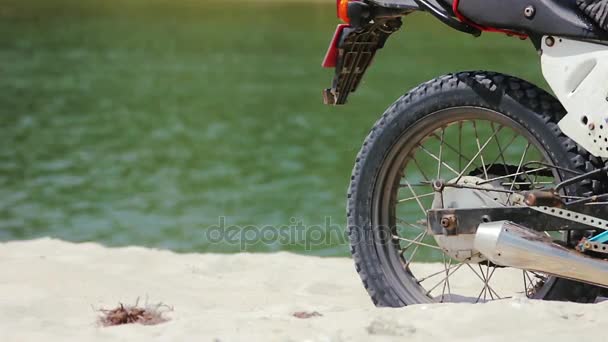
(342,9)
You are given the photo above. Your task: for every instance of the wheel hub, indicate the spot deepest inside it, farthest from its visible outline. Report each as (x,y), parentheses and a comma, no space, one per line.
(447,195)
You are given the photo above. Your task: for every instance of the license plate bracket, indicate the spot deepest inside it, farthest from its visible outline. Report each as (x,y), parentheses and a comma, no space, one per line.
(351,52)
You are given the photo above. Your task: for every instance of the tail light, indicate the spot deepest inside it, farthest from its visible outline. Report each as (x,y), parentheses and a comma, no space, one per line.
(342,9)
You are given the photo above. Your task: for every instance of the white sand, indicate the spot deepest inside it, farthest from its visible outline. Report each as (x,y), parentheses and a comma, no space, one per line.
(48,290)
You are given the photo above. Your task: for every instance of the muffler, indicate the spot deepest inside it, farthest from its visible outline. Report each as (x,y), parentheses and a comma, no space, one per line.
(508,244)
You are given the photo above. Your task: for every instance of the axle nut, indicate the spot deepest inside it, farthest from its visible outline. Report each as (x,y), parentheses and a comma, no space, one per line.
(448,222)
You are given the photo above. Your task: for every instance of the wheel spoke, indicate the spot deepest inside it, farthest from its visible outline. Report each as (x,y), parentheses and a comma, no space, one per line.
(529,288)
(420,169)
(526,183)
(483,163)
(472,187)
(409,262)
(521,161)
(513,175)
(416,242)
(460,155)
(436,273)
(440,153)
(476,155)
(490,289)
(483,279)
(415,184)
(410,224)
(515,136)
(485,285)
(501,154)
(437,159)
(489,276)
(417,239)
(460,147)
(446,267)
(445,278)
(416,197)
(483,291)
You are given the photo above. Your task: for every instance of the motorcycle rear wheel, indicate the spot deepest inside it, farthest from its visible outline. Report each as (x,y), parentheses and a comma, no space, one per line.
(387,164)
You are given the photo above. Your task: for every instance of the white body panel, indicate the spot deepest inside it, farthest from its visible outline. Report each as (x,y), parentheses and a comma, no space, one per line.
(578,74)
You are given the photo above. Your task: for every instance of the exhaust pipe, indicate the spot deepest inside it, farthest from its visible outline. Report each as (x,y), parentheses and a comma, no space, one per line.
(508,244)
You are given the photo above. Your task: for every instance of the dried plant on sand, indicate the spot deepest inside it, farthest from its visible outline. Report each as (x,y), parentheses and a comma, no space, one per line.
(130,314)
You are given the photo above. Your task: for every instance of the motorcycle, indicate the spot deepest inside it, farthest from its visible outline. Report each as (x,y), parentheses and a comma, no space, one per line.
(486,174)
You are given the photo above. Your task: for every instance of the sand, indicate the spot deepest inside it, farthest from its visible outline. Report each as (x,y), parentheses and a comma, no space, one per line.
(50,291)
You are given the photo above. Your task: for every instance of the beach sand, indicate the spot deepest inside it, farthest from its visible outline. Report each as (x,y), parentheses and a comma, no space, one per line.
(50,290)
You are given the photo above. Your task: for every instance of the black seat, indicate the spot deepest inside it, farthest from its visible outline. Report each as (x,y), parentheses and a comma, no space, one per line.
(535,17)
(578,19)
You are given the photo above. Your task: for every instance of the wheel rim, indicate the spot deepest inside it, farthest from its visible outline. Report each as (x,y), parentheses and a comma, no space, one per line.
(484,141)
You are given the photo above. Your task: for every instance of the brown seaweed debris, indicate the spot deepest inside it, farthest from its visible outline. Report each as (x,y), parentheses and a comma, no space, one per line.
(134,314)
(305,314)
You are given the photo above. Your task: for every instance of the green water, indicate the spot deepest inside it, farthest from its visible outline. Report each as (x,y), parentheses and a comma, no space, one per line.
(148,122)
